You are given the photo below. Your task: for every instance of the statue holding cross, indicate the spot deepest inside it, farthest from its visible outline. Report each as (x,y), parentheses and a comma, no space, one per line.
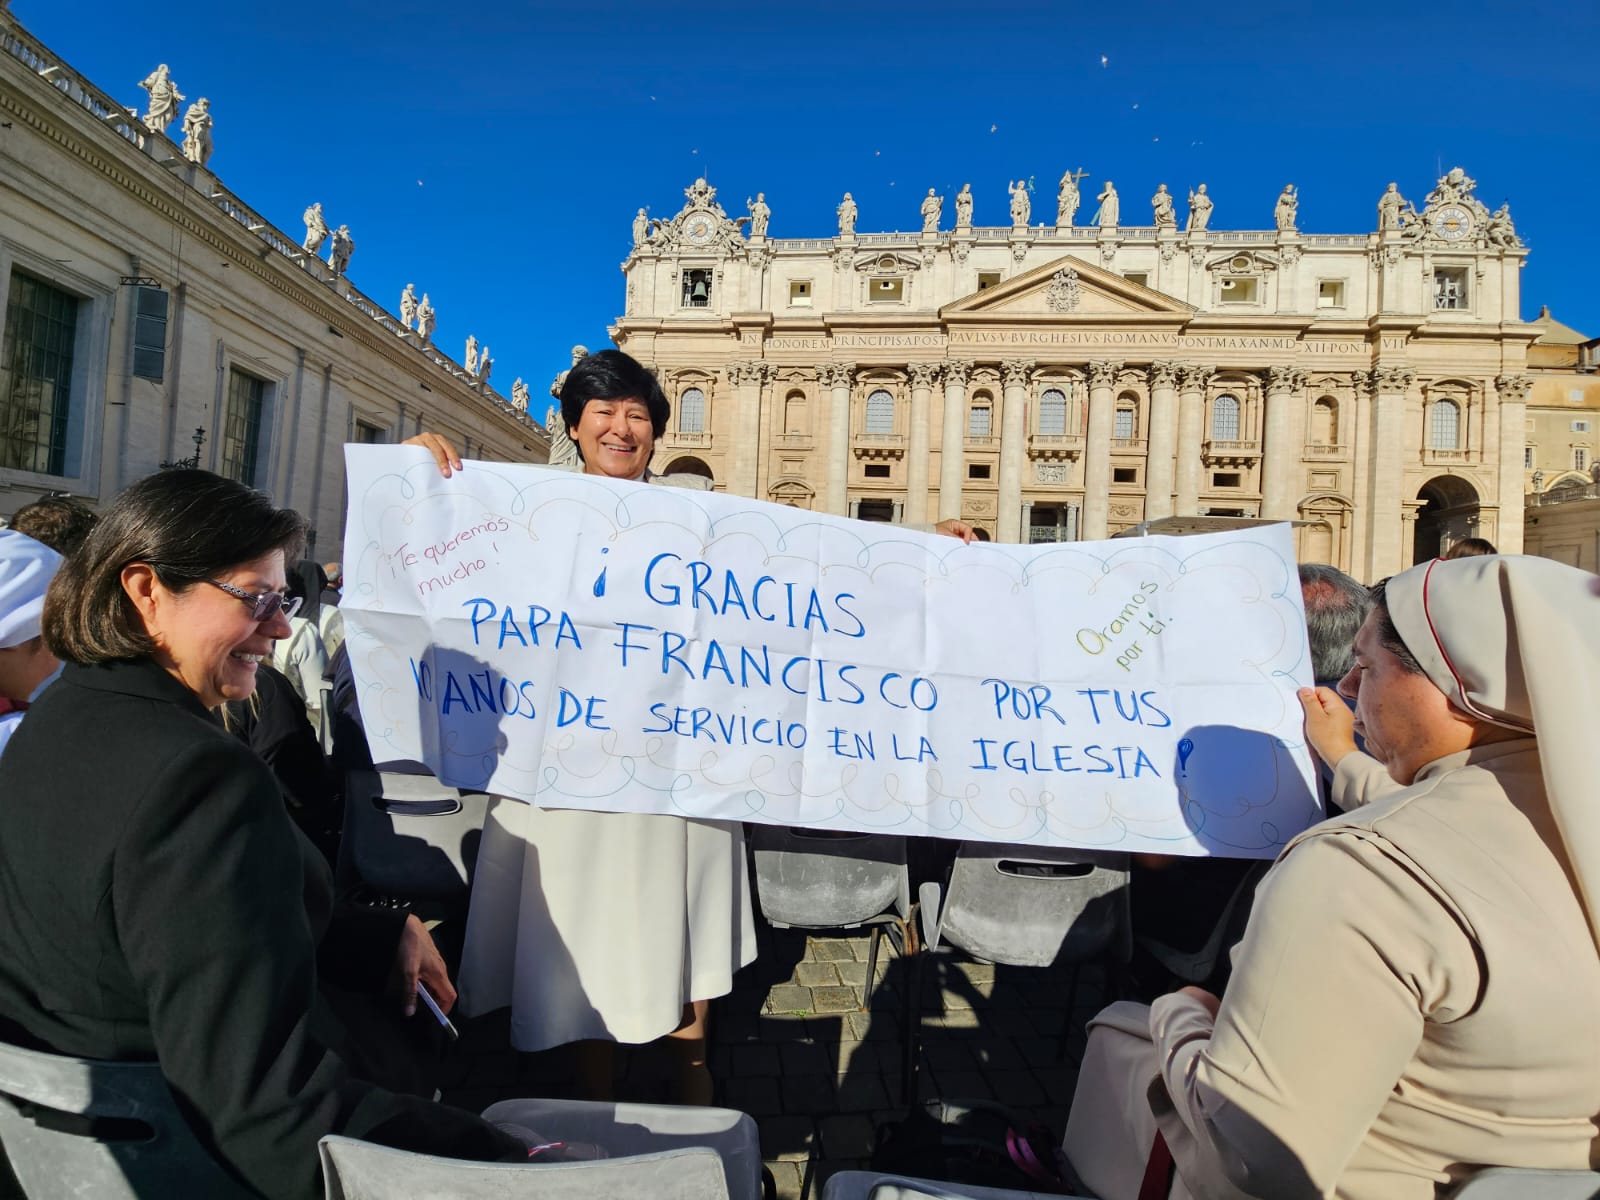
(1067,198)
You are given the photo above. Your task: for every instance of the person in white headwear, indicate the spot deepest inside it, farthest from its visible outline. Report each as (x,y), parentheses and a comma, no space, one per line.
(26,665)
(1418,993)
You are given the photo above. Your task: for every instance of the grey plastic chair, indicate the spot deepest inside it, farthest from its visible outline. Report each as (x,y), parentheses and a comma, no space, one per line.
(869,1185)
(655,1151)
(75,1127)
(1197,966)
(1511,1183)
(408,835)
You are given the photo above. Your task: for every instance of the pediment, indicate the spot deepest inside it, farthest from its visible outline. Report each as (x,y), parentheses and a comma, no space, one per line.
(1068,287)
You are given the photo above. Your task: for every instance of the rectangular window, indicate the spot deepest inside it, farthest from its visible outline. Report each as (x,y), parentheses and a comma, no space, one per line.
(978,420)
(150,333)
(1330,293)
(1449,288)
(36,379)
(1225,479)
(987,280)
(370,435)
(1580,427)
(1527,458)
(1142,278)
(886,291)
(1124,474)
(875,510)
(1124,423)
(876,470)
(692,411)
(1580,460)
(1239,291)
(800,293)
(697,289)
(241,426)
(977,470)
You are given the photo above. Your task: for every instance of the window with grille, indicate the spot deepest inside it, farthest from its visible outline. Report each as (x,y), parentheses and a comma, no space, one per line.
(150,333)
(1053,412)
(368,434)
(1527,458)
(880,413)
(1225,419)
(1124,425)
(1446,425)
(241,426)
(979,418)
(692,411)
(1450,288)
(1580,460)
(36,383)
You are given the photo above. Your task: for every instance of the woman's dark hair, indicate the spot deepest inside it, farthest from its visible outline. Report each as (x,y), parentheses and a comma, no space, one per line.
(1470,548)
(1388,636)
(612,375)
(189,526)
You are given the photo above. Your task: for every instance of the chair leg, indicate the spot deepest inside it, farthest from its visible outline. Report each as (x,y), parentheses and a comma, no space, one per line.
(872,965)
(1072,1008)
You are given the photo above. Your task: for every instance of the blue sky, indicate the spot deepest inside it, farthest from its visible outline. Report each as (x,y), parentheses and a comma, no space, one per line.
(494,152)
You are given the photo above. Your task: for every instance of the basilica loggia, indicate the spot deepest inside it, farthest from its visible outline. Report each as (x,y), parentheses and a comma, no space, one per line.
(1051,382)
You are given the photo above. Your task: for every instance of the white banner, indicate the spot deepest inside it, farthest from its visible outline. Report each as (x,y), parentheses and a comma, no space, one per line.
(579,642)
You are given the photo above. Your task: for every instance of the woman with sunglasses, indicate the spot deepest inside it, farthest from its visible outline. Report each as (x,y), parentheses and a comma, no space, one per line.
(159,904)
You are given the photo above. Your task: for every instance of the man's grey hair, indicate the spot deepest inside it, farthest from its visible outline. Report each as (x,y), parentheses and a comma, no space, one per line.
(1336,605)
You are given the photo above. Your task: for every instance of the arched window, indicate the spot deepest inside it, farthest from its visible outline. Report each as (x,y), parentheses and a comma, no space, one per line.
(692,411)
(880,412)
(1053,412)
(794,412)
(1446,425)
(1325,422)
(1225,419)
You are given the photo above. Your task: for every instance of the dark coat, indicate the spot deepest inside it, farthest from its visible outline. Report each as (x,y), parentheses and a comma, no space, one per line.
(156,902)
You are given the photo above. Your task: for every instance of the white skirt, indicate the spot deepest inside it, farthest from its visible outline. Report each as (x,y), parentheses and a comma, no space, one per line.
(602,925)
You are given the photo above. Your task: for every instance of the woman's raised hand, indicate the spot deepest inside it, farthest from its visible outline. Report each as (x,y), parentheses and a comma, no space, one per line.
(444,454)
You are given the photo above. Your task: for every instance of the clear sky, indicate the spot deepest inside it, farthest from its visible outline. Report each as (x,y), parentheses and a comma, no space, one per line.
(494,151)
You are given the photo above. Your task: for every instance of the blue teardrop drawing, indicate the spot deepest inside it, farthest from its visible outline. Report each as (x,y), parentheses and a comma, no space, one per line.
(1185,748)
(600,580)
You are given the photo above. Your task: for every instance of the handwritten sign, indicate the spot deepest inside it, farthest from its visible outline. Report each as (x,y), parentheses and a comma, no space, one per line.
(579,642)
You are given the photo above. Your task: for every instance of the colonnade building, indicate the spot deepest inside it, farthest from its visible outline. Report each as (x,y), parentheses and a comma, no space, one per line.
(1057,382)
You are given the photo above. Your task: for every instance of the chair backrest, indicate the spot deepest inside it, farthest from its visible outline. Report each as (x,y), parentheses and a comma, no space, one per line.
(871,1185)
(354,1170)
(74,1127)
(817,879)
(1512,1183)
(1029,906)
(408,835)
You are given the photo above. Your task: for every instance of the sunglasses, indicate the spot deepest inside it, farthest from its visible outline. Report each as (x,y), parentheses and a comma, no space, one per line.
(266,605)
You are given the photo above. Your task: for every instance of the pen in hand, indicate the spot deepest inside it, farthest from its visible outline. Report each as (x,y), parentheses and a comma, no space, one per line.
(437,1012)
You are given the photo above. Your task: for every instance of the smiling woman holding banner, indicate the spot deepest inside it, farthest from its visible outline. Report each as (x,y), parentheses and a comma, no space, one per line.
(1418,993)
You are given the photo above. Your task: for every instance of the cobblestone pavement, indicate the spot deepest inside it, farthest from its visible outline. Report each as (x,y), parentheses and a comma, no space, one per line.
(792,1047)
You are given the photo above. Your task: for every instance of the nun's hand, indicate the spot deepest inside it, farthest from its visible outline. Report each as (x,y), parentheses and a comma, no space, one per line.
(1330,725)
(952,527)
(444,454)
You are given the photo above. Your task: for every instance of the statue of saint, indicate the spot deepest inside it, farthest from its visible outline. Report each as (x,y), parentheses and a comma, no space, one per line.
(1284,211)
(1110,207)
(471,359)
(1199,209)
(197,132)
(1391,206)
(425,319)
(847,216)
(760,214)
(316,229)
(563,452)
(485,364)
(408,306)
(1161,209)
(932,208)
(1454,186)
(1500,231)
(641,228)
(964,207)
(343,247)
(1021,205)
(578,354)
(519,395)
(164,99)
(1067,200)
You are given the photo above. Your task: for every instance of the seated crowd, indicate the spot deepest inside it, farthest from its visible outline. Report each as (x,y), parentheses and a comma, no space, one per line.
(1415,995)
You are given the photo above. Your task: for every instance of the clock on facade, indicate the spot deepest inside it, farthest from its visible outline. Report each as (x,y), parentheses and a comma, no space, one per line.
(1452,222)
(699,229)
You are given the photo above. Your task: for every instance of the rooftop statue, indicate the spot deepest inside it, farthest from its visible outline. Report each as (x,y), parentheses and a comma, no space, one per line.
(1021,204)
(760,214)
(425,319)
(578,354)
(1454,186)
(641,227)
(964,207)
(1200,207)
(1068,198)
(485,364)
(932,208)
(408,307)
(847,216)
(1161,209)
(1500,232)
(471,359)
(1391,208)
(1110,210)
(1283,213)
(316,229)
(343,247)
(562,450)
(197,132)
(164,99)
(519,395)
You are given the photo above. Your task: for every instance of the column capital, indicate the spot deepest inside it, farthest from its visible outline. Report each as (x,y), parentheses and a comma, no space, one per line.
(1385,379)
(1103,372)
(1513,388)
(836,374)
(958,370)
(738,370)
(924,374)
(1284,379)
(1015,371)
(1193,377)
(1163,374)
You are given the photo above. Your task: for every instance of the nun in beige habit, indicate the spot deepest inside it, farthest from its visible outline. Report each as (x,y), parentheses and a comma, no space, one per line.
(1418,993)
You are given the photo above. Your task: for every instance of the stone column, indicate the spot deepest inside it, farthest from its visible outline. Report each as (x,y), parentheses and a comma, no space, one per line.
(953,438)
(1097,449)
(1192,379)
(1161,440)
(1013,451)
(1280,462)
(1513,391)
(1386,550)
(923,376)
(746,378)
(838,377)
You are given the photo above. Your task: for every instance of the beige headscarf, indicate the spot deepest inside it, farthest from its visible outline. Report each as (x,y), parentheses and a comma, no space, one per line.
(1515,641)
